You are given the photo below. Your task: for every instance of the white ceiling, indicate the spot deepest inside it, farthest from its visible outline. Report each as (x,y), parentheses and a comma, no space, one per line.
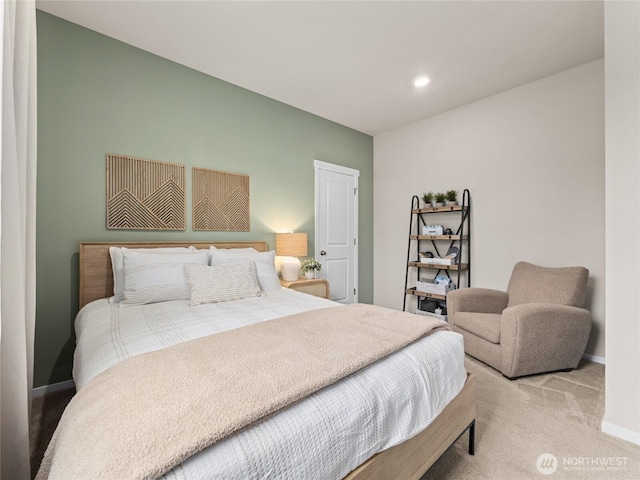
(354,62)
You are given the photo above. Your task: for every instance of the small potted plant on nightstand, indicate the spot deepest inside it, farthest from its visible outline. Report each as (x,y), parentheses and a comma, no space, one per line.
(452,197)
(429,199)
(309,266)
(440,198)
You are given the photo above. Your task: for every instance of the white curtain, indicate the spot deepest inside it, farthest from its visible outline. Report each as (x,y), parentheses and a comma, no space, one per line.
(17,233)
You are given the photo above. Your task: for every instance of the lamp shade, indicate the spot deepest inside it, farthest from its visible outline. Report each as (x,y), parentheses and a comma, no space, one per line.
(291,244)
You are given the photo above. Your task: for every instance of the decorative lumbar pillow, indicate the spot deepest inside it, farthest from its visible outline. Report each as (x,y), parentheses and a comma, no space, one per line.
(222,283)
(264,262)
(151,278)
(117,265)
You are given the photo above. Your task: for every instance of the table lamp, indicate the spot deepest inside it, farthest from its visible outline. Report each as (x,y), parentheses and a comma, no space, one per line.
(290,246)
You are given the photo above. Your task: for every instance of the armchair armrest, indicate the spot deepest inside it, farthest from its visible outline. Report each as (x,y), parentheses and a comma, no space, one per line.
(481,300)
(542,337)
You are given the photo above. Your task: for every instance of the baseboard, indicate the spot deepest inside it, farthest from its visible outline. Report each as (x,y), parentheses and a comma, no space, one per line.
(621,432)
(54,387)
(593,358)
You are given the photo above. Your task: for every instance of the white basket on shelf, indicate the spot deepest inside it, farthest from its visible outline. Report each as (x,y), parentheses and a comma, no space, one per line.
(430,314)
(429,286)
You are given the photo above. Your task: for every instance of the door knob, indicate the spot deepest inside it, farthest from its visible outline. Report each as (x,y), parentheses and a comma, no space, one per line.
(322,252)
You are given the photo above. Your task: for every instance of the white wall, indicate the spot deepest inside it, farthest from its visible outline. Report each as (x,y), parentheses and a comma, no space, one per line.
(533,159)
(622,70)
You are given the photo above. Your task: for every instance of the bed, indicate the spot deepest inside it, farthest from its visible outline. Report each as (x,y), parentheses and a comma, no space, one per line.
(406,443)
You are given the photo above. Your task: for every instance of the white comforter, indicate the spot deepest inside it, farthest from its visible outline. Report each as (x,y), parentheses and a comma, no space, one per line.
(322,437)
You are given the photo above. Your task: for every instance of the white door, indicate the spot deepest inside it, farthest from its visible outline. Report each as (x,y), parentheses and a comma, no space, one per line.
(337,229)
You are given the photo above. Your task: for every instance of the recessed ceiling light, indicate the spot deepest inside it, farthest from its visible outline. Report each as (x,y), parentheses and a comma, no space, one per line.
(421,81)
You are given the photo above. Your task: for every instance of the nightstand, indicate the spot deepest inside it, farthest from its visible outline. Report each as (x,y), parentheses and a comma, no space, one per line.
(318,287)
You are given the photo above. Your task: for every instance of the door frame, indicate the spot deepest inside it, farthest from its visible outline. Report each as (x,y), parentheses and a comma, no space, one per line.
(320,165)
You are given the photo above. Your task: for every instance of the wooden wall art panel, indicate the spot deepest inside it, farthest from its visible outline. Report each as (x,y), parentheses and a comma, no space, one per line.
(220,201)
(145,194)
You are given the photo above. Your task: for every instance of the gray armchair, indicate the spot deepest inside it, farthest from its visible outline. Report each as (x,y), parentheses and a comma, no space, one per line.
(538,325)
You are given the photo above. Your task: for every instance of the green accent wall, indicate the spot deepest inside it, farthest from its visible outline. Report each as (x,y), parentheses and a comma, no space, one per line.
(97,95)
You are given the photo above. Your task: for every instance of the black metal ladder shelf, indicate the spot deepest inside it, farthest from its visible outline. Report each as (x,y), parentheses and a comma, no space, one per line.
(460,270)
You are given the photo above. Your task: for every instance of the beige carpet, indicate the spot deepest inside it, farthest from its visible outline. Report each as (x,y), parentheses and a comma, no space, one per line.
(557,414)
(520,420)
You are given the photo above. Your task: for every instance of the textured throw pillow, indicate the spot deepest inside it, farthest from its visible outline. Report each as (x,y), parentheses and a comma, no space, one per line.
(264,262)
(222,283)
(117,265)
(151,278)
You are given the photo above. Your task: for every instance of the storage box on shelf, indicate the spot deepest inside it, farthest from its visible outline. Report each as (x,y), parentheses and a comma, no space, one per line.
(432,230)
(430,314)
(433,288)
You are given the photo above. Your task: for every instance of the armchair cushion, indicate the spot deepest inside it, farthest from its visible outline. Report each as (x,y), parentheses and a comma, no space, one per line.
(484,325)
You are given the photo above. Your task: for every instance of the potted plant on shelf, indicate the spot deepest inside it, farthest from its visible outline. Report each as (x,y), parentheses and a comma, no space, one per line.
(452,197)
(440,198)
(309,266)
(429,199)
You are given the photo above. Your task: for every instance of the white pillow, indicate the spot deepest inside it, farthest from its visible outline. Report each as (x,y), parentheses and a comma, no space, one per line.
(117,265)
(265,264)
(151,278)
(211,247)
(222,283)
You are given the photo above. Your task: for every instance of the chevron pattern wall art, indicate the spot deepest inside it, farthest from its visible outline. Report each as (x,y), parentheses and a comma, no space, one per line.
(145,194)
(220,201)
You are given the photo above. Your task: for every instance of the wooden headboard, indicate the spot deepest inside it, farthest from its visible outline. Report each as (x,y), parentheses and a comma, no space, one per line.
(96,275)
